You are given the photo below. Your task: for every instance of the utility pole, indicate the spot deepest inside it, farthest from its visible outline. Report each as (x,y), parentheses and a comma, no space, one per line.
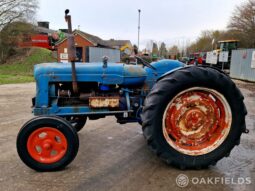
(253,15)
(139,13)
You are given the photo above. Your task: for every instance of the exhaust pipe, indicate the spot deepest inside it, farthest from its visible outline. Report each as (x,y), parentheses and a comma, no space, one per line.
(71,51)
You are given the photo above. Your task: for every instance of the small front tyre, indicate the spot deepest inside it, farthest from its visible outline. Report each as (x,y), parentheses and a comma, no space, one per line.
(47,143)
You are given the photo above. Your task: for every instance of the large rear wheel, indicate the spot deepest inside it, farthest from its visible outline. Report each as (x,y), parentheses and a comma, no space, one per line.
(194,117)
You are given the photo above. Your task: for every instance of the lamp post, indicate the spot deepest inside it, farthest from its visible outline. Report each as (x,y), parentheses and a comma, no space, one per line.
(139,13)
(253,14)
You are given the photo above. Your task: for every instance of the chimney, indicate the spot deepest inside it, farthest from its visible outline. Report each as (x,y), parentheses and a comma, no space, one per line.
(43,24)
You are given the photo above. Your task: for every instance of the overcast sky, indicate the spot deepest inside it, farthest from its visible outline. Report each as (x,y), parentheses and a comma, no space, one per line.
(171,21)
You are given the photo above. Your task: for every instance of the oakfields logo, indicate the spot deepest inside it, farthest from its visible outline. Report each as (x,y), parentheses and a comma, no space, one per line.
(183,180)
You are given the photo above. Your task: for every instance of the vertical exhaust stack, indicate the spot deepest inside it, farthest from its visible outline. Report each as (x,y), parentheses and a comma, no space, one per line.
(71,51)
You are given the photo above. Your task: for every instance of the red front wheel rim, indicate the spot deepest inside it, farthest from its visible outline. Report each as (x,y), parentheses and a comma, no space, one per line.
(197,121)
(47,145)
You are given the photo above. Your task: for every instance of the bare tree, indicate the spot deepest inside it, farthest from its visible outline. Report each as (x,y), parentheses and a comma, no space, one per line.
(243,22)
(208,40)
(154,49)
(13,10)
(174,52)
(149,46)
(135,49)
(14,15)
(163,50)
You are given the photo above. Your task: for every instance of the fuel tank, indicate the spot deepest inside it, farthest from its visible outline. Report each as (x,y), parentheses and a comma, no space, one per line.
(113,73)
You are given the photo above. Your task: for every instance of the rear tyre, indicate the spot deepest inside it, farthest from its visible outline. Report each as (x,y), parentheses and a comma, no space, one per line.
(193,117)
(47,143)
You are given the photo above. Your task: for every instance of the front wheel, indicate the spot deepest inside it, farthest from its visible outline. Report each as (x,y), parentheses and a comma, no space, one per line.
(194,117)
(47,143)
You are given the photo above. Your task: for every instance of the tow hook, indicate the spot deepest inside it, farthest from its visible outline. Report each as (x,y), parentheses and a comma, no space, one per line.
(246,131)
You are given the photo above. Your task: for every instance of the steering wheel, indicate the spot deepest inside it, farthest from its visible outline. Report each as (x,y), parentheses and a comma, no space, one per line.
(145,63)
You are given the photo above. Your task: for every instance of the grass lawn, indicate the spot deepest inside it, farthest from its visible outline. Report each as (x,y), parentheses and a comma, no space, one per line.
(13,79)
(20,70)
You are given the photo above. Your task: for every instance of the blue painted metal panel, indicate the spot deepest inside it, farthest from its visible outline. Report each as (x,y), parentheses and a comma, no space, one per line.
(121,74)
(91,72)
(81,110)
(162,67)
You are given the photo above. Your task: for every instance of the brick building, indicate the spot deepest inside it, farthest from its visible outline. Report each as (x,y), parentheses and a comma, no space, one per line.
(83,40)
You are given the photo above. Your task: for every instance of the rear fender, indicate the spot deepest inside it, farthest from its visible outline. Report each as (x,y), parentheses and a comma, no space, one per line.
(180,68)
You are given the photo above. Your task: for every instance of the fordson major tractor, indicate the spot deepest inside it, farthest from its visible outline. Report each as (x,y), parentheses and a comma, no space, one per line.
(191,116)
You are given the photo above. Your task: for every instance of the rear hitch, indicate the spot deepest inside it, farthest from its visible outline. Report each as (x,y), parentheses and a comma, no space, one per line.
(246,131)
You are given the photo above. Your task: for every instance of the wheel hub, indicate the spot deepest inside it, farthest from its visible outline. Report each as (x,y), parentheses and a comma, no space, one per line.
(197,121)
(47,145)
(194,119)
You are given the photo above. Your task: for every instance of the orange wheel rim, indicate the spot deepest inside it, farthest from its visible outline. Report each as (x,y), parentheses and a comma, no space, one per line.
(197,121)
(47,145)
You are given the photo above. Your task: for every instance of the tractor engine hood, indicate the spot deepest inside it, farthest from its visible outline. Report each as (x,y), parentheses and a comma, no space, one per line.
(114,73)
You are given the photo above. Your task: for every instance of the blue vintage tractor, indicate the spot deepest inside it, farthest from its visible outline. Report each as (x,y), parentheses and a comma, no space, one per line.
(191,116)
